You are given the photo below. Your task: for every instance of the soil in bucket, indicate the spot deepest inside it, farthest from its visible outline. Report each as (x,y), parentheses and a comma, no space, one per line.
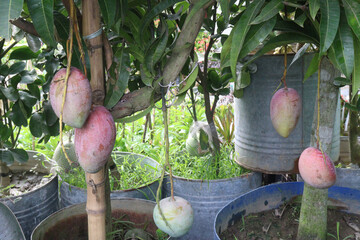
(282,223)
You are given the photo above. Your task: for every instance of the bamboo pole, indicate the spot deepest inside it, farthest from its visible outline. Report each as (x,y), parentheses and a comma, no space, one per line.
(96,205)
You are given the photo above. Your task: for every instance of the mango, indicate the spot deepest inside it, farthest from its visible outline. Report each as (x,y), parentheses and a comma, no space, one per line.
(316,168)
(285,109)
(95,141)
(78,97)
(178,213)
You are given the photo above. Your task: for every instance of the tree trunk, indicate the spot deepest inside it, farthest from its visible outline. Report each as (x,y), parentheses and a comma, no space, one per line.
(313,214)
(4,176)
(354,132)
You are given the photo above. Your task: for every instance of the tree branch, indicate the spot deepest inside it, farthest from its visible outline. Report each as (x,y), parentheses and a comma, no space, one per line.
(129,104)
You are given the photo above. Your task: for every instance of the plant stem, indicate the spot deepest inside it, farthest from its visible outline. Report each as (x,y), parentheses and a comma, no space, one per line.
(192,97)
(354,130)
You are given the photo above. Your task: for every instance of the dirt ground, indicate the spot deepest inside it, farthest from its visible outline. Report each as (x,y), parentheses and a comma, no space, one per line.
(283,223)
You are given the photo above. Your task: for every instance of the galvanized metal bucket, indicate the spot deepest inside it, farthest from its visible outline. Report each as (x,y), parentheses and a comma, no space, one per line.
(70,195)
(270,197)
(257,144)
(70,223)
(207,197)
(31,208)
(10,228)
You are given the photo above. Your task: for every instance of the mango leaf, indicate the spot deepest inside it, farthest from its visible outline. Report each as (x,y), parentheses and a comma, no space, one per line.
(135,117)
(35,124)
(341,81)
(146,76)
(8,10)
(313,66)
(155,11)
(17,67)
(33,42)
(180,98)
(356,72)
(6,156)
(225,9)
(20,155)
(108,9)
(42,16)
(342,47)
(225,51)
(28,77)
(256,36)
(314,6)
(156,50)
(23,53)
(299,54)
(280,40)
(134,50)
(190,79)
(194,9)
(242,80)
(352,11)
(123,73)
(10,93)
(329,23)
(28,99)
(269,11)
(240,30)
(300,20)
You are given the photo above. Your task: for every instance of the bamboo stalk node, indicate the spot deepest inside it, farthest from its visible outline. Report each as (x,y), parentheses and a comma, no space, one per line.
(95,212)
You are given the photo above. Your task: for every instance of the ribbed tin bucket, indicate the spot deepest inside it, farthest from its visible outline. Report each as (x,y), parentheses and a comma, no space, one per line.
(70,223)
(207,197)
(70,195)
(31,208)
(257,144)
(10,228)
(270,197)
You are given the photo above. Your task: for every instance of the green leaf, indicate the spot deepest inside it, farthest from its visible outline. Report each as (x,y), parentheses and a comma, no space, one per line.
(194,9)
(146,76)
(33,42)
(300,20)
(17,67)
(225,51)
(123,73)
(225,9)
(269,11)
(23,53)
(6,156)
(135,117)
(136,52)
(240,30)
(10,93)
(281,40)
(34,90)
(340,81)
(108,10)
(18,114)
(8,10)
(256,36)
(42,16)
(356,72)
(180,98)
(28,77)
(242,80)
(190,79)
(299,54)
(155,11)
(27,98)
(342,48)
(313,66)
(352,11)
(314,6)
(20,155)
(329,23)
(50,116)
(62,27)
(35,124)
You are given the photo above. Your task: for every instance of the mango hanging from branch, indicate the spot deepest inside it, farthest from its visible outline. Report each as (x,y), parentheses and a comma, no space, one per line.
(95,141)
(285,109)
(78,97)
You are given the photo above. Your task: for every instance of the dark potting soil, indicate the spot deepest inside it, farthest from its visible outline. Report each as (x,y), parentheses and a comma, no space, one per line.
(282,223)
